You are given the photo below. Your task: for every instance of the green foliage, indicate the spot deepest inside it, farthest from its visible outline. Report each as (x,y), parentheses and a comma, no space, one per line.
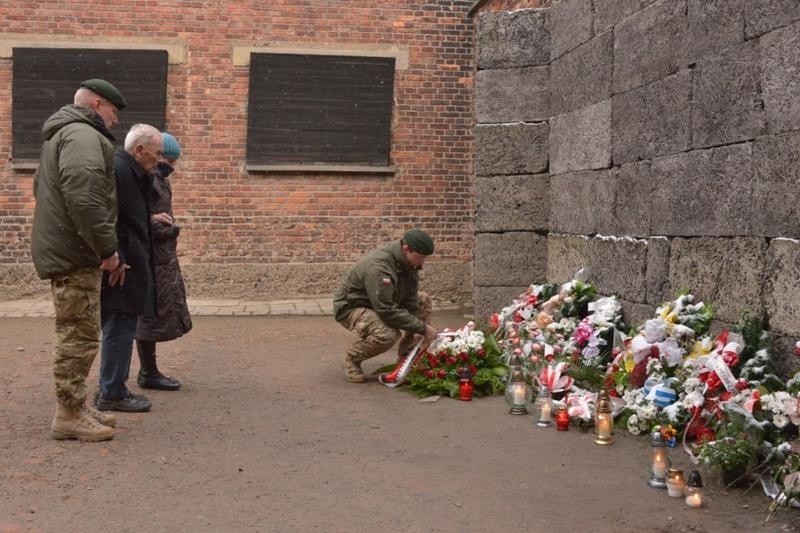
(729,453)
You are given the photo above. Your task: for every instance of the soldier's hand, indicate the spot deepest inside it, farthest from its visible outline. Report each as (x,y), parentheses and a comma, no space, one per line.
(110,263)
(430,333)
(117,276)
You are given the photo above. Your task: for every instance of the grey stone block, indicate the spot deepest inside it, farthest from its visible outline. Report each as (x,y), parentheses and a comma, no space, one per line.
(582,76)
(608,13)
(650,44)
(657,278)
(766,15)
(583,202)
(782,357)
(513,39)
(513,259)
(634,204)
(724,272)
(713,26)
(783,286)
(619,265)
(504,203)
(776,186)
(704,192)
(652,120)
(635,314)
(566,254)
(511,149)
(726,97)
(780,65)
(512,95)
(490,300)
(581,140)
(570,25)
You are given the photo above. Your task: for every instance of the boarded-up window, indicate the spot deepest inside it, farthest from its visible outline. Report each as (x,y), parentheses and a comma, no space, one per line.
(45,79)
(319,110)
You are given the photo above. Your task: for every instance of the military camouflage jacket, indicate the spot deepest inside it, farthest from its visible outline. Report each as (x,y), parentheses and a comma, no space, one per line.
(76,202)
(384,281)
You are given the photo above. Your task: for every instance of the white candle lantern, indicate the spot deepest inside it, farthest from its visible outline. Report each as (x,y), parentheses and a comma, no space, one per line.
(543,407)
(603,419)
(659,460)
(518,393)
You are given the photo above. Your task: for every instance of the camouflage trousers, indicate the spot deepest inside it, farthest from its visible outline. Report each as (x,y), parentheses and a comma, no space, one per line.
(375,337)
(76,298)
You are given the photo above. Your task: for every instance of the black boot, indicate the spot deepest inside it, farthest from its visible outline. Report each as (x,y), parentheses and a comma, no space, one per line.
(149,376)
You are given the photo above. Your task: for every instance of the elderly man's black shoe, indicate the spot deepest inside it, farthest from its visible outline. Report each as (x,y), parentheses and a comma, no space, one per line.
(130,403)
(158,381)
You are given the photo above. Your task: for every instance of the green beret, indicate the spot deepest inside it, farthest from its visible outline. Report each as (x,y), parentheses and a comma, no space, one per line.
(107,91)
(419,241)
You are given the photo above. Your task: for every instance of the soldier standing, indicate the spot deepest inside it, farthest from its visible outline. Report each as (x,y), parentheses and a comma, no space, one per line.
(73,241)
(379,298)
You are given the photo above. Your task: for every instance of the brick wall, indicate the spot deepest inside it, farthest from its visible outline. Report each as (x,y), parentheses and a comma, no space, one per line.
(655,142)
(269,234)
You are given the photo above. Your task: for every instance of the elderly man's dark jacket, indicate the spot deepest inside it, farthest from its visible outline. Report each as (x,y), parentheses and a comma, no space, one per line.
(138,295)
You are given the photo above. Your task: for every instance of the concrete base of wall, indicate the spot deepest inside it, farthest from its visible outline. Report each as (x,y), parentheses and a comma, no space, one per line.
(448,282)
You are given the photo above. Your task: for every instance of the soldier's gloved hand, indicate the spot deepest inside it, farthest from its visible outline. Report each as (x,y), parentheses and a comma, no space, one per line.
(430,333)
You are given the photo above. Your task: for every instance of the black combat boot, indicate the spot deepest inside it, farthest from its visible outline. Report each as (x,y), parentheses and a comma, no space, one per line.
(149,376)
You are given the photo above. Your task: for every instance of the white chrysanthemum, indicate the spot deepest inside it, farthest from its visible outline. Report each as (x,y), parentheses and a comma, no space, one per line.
(692,399)
(692,384)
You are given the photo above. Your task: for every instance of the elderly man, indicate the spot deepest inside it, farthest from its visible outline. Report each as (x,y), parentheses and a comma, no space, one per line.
(130,290)
(73,240)
(379,297)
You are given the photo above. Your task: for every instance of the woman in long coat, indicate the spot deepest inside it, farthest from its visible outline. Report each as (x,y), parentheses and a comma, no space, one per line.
(172,318)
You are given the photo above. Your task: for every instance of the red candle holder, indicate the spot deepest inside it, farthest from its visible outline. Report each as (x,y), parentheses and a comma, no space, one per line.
(562,419)
(465,388)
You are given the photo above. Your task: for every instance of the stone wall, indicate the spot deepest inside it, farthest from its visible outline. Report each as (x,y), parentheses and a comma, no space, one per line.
(656,142)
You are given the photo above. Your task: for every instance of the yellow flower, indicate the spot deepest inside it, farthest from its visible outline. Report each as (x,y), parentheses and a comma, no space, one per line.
(701,348)
(627,361)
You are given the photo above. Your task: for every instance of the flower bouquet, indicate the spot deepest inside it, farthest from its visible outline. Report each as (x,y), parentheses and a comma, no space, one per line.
(466,350)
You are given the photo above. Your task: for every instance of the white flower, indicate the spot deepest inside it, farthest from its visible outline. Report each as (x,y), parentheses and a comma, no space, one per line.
(780,421)
(692,399)
(633,425)
(672,352)
(655,330)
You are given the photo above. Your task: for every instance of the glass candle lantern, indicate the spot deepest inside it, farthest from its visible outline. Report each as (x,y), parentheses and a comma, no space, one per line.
(543,408)
(694,490)
(562,418)
(603,419)
(659,460)
(518,394)
(515,363)
(465,385)
(675,482)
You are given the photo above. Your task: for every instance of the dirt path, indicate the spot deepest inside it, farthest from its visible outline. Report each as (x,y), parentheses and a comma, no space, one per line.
(267,436)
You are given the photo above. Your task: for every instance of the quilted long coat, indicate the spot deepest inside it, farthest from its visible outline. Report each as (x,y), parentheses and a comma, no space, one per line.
(172,318)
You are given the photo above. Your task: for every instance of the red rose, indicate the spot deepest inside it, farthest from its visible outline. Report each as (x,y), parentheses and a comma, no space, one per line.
(473,369)
(428,373)
(442,373)
(463,357)
(742,385)
(450,361)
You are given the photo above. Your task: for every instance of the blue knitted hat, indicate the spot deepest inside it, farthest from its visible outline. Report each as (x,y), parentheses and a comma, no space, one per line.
(170,147)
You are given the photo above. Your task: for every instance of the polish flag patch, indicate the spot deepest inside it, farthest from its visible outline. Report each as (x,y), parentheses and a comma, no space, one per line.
(386,281)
